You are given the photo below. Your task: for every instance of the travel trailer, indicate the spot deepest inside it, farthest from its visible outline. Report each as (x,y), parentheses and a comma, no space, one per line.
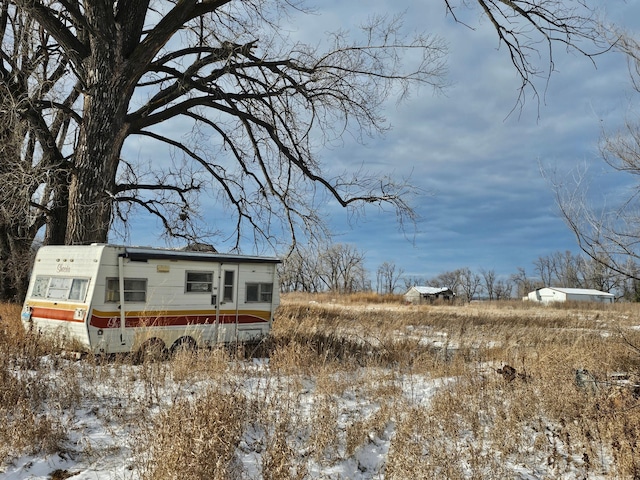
(116,299)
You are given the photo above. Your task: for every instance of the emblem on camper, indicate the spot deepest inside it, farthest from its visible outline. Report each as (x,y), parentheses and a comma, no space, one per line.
(63,268)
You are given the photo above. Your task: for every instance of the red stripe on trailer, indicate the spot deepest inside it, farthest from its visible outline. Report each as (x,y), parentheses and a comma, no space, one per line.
(172,321)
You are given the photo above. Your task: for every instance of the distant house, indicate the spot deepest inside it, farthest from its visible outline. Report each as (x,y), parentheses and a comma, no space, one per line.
(557,294)
(418,295)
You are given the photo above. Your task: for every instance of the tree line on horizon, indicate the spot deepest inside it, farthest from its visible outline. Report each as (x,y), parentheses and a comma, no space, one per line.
(340,268)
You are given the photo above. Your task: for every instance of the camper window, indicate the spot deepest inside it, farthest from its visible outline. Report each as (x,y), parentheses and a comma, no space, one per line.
(78,289)
(40,286)
(259,292)
(201,282)
(60,288)
(135,290)
(228,286)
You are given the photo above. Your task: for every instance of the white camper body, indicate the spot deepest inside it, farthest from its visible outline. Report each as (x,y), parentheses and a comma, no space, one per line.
(116,299)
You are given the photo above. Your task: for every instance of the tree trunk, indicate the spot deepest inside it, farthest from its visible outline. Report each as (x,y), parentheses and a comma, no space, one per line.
(15,262)
(21,266)
(56,218)
(7,285)
(100,142)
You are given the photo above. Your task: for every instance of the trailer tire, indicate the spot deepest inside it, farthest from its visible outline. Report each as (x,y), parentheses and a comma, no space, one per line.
(183,344)
(153,350)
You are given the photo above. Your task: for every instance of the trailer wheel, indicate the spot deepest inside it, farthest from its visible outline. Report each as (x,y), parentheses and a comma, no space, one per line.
(183,344)
(153,350)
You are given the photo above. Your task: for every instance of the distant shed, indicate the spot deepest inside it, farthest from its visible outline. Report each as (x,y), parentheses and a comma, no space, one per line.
(557,294)
(418,295)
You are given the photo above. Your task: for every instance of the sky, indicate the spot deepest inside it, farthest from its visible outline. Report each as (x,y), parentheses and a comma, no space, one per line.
(485,203)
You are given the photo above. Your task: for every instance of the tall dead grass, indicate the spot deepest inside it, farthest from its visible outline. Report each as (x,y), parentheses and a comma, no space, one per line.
(484,421)
(195,438)
(337,381)
(26,425)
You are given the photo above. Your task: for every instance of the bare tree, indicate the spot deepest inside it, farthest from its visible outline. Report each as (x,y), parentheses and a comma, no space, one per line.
(489,278)
(523,283)
(342,268)
(14,227)
(320,267)
(413,281)
(629,286)
(449,279)
(608,233)
(545,269)
(470,283)
(257,103)
(300,271)
(503,289)
(462,281)
(388,276)
(528,31)
(599,276)
(567,270)
(496,288)
(33,173)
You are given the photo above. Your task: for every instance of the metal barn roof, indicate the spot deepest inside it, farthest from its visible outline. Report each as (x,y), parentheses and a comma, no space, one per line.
(581,291)
(432,290)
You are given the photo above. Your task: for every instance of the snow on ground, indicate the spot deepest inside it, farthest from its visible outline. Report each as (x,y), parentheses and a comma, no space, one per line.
(98,444)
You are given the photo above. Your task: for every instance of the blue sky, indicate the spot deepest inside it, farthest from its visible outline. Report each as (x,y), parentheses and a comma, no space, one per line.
(486,204)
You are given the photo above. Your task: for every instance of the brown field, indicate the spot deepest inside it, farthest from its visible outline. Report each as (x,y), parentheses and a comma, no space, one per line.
(353,387)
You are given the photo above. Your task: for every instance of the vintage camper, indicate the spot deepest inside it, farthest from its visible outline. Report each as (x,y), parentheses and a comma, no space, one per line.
(114,299)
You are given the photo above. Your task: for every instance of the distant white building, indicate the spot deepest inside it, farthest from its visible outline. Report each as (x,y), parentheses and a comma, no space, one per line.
(417,295)
(558,294)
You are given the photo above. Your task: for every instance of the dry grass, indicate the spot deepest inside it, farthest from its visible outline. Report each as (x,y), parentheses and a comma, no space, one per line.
(368,298)
(26,427)
(193,439)
(346,376)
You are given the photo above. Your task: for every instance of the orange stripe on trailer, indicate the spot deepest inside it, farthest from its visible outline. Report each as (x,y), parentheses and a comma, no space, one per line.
(54,314)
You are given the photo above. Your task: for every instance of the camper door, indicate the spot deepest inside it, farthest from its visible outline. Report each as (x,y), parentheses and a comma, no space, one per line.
(228,312)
